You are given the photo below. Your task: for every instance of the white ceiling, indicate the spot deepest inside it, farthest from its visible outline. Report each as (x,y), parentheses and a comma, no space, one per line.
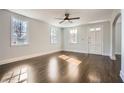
(49,15)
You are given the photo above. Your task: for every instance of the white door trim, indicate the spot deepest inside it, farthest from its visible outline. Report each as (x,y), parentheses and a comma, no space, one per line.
(101,37)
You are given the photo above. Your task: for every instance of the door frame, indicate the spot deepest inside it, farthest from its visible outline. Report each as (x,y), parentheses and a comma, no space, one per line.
(99,25)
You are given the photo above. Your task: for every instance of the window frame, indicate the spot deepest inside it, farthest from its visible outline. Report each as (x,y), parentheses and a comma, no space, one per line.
(19,19)
(53,38)
(73,35)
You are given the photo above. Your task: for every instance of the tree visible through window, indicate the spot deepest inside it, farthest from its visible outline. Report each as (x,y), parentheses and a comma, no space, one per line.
(53,35)
(19,33)
(73,35)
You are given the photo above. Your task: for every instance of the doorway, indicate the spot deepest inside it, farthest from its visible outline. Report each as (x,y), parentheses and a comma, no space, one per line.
(95,40)
(116,37)
(117,51)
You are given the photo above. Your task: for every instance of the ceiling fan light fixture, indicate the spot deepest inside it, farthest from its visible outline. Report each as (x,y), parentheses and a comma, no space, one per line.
(67,18)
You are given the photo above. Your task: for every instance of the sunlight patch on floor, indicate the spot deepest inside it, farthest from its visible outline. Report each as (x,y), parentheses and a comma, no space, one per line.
(70,59)
(64,57)
(74,61)
(16,75)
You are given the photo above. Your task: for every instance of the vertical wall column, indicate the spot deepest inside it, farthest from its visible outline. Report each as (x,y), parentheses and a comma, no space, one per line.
(122,48)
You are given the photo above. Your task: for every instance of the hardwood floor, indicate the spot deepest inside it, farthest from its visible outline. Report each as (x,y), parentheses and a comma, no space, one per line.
(52,68)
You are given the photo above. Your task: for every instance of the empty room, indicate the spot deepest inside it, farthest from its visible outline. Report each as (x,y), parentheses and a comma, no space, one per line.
(61,46)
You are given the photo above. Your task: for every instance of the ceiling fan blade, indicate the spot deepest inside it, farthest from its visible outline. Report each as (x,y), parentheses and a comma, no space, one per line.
(59,18)
(74,18)
(61,21)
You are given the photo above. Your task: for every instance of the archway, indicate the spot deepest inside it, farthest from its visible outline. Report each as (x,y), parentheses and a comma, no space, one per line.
(114,35)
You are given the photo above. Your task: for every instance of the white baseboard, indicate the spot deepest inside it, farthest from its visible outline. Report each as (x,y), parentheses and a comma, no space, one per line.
(122,75)
(112,57)
(10,60)
(74,51)
(118,53)
(105,54)
(82,52)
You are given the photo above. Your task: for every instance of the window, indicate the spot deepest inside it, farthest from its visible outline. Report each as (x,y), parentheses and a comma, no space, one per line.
(95,29)
(19,34)
(53,35)
(98,29)
(92,29)
(73,35)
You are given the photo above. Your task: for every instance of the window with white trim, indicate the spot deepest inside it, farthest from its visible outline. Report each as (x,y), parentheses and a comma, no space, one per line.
(95,29)
(73,35)
(53,35)
(98,28)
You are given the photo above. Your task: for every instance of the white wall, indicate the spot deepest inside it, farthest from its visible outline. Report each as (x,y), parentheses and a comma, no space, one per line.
(39,38)
(122,48)
(118,38)
(82,45)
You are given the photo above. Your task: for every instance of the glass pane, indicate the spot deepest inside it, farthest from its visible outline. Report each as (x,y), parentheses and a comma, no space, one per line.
(98,29)
(53,36)
(92,29)
(73,35)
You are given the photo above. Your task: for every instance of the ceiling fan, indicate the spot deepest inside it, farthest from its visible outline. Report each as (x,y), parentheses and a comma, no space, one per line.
(67,18)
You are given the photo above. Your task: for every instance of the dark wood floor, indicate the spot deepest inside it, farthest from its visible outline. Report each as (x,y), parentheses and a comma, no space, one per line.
(51,68)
